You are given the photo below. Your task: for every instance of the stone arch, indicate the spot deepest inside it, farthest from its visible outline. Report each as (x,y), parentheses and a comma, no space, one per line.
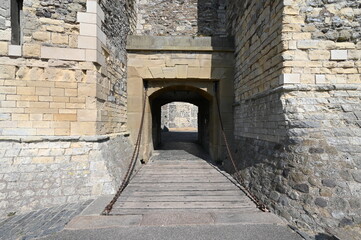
(180,64)
(189,94)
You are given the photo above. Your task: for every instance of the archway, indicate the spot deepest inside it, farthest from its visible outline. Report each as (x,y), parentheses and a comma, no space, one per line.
(184,65)
(187,94)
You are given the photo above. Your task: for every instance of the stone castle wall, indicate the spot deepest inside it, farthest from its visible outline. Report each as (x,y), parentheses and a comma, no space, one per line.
(181,17)
(258,67)
(297,139)
(50,171)
(179,115)
(63,102)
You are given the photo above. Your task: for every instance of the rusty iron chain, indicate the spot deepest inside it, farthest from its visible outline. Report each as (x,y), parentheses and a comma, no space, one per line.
(238,176)
(135,155)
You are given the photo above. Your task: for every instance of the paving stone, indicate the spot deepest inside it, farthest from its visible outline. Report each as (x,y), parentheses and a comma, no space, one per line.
(39,223)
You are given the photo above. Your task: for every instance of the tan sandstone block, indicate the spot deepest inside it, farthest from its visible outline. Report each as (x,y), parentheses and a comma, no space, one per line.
(57,105)
(71,92)
(39,104)
(63,53)
(48,117)
(40,124)
(60,125)
(87,115)
(36,117)
(24,124)
(205,73)
(182,71)
(65,117)
(345,45)
(83,128)
(7,72)
(169,72)
(62,132)
(88,90)
(193,72)
(301,36)
(319,55)
(8,90)
(73,41)
(58,92)
(31,50)
(42,91)
(61,39)
(3,48)
(44,132)
(157,72)
(55,28)
(30,91)
(50,21)
(41,36)
(20,117)
(43,160)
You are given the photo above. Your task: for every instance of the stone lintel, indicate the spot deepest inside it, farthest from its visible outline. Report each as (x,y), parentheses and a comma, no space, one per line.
(179,43)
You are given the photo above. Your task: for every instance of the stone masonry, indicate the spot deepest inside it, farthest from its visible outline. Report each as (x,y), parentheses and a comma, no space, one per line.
(179,115)
(67,90)
(297,123)
(181,17)
(63,102)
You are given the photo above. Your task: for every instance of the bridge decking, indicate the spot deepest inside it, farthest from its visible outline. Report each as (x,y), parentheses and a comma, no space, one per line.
(176,181)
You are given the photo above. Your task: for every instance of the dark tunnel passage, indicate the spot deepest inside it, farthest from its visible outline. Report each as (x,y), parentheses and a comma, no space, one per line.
(197,143)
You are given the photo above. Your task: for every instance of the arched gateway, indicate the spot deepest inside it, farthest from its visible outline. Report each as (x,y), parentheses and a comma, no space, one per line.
(187,69)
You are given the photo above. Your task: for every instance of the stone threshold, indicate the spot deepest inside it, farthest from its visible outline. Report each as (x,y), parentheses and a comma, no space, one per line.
(36,139)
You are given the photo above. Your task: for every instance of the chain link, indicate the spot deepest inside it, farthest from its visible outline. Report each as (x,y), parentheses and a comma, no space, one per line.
(238,176)
(135,155)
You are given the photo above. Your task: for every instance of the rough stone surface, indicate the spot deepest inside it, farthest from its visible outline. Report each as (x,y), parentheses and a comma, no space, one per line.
(296,111)
(181,17)
(333,20)
(43,174)
(304,135)
(179,115)
(39,223)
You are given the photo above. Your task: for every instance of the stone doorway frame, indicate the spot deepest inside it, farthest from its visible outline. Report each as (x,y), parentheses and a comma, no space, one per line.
(195,62)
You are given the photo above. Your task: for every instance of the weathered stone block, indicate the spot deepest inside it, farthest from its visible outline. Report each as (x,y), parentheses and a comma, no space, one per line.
(320,79)
(319,55)
(61,39)
(31,50)
(338,54)
(307,44)
(41,36)
(63,53)
(3,48)
(289,78)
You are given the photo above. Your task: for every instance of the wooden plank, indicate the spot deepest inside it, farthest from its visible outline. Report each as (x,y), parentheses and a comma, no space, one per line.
(184,180)
(183,193)
(135,211)
(177,188)
(234,198)
(182,205)
(181,184)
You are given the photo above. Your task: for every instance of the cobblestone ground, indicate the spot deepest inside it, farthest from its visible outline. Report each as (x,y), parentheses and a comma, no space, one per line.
(39,223)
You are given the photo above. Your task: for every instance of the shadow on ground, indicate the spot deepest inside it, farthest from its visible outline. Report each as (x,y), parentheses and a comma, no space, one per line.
(183,140)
